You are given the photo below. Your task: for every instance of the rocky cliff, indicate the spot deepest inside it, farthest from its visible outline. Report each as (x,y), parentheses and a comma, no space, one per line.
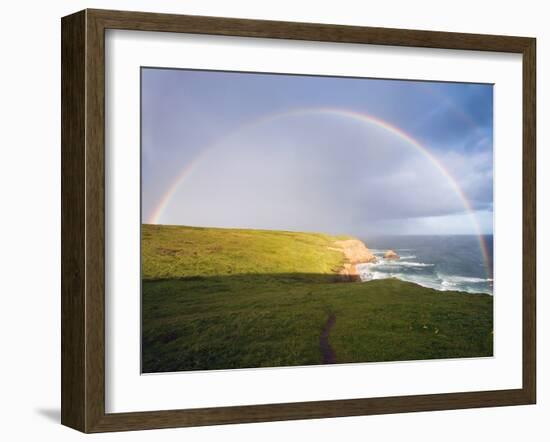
(355,252)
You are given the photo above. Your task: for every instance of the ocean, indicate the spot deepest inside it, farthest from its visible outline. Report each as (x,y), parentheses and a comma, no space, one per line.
(453,262)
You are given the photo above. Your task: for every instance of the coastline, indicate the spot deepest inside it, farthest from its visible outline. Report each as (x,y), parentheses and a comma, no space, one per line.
(362,264)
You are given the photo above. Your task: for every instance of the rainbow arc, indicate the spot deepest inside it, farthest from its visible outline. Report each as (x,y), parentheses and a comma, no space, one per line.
(363,118)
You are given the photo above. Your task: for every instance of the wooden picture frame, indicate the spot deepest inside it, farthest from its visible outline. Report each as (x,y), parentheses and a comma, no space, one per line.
(83,220)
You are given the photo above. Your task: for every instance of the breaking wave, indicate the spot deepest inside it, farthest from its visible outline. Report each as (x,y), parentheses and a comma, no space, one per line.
(427,274)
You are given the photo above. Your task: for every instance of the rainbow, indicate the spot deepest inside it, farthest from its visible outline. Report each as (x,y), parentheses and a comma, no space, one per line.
(363,118)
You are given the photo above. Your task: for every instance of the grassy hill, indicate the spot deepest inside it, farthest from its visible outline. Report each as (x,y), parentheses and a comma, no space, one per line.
(176,252)
(236,298)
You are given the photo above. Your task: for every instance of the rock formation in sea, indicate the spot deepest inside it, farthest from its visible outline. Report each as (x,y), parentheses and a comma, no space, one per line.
(390,254)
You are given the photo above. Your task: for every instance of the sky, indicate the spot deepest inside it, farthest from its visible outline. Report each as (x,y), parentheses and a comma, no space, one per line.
(314,153)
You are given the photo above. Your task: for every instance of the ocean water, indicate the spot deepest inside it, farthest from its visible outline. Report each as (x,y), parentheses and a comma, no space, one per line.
(441,262)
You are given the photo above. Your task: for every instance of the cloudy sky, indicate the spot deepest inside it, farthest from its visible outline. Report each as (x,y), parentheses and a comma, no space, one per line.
(339,155)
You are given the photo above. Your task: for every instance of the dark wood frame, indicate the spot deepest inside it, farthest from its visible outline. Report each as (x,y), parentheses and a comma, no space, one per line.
(83,216)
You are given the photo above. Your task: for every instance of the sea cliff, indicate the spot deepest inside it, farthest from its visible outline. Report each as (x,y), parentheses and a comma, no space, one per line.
(355,252)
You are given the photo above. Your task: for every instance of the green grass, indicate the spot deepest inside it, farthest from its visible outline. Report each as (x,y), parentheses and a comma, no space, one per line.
(228,298)
(176,252)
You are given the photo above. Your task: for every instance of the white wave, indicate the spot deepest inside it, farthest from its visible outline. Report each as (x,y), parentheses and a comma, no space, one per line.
(440,285)
(412,264)
(396,264)
(420,280)
(375,275)
(423,281)
(456,279)
(368,272)
(408,257)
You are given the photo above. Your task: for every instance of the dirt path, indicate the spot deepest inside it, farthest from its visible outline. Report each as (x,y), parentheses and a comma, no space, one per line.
(329,356)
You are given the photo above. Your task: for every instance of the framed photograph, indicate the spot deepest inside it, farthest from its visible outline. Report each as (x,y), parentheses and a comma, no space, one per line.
(271,220)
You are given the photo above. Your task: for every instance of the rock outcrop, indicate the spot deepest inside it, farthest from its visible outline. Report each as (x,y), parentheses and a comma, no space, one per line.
(390,254)
(355,252)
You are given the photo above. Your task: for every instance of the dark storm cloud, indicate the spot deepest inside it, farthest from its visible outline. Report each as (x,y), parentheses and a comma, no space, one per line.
(315,171)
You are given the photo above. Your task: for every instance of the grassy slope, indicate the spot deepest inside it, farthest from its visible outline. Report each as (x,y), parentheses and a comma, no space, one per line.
(176,252)
(220,298)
